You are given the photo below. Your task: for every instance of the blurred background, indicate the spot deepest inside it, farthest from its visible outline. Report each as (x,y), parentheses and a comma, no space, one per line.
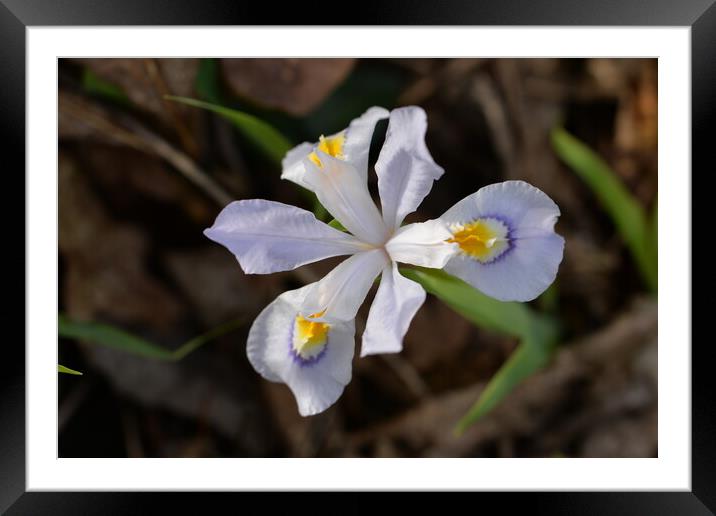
(140,177)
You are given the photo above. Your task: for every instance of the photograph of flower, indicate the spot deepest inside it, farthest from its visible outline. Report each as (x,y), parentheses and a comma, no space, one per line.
(302,257)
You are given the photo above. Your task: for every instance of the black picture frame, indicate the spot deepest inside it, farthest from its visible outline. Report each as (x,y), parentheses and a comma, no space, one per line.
(17,15)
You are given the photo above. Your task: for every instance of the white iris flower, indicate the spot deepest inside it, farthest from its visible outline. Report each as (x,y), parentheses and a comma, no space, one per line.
(305,338)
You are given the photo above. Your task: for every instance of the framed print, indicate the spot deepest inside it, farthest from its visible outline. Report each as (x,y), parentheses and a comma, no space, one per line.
(419,255)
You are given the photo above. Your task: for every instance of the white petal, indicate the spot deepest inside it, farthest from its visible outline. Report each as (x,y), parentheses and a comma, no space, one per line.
(341,292)
(315,384)
(356,147)
(405,168)
(530,263)
(422,243)
(269,236)
(521,274)
(394,306)
(528,208)
(292,164)
(345,195)
(358,136)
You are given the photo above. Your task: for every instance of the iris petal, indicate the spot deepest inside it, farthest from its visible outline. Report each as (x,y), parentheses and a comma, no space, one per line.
(527,208)
(341,292)
(395,304)
(423,243)
(345,196)
(358,137)
(269,236)
(521,261)
(406,170)
(315,384)
(354,148)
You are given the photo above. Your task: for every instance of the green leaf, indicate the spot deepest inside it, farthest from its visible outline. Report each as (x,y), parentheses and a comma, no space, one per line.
(212,334)
(67,370)
(113,337)
(538,333)
(533,353)
(264,136)
(110,336)
(319,210)
(625,211)
(337,225)
(95,85)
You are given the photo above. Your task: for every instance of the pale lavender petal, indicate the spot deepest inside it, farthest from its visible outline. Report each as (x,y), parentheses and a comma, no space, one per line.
(316,384)
(341,292)
(528,264)
(395,304)
(355,151)
(292,164)
(521,274)
(269,236)
(358,137)
(405,168)
(524,205)
(423,243)
(345,195)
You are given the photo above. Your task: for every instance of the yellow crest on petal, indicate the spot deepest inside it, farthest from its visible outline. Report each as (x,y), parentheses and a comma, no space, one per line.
(333,146)
(309,336)
(484,239)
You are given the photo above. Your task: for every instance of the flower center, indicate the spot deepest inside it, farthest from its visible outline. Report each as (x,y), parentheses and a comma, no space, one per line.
(309,337)
(484,239)
(333,146)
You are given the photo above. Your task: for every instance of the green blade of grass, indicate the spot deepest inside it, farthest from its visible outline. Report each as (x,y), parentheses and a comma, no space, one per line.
(113,337)
(212,334)
(67,370)
(538,333)
(264,136)
(625,211)
(532,354)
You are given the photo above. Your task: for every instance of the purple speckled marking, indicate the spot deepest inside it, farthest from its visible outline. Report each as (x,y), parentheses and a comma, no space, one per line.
(508,236)
(298,359)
